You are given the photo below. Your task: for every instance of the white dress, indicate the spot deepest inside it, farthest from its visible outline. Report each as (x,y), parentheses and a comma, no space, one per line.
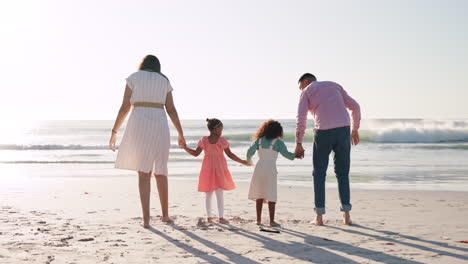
(146,141)
(264,184)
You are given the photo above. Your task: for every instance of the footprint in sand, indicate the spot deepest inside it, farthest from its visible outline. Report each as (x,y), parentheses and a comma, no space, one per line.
(50,259)
(86,239)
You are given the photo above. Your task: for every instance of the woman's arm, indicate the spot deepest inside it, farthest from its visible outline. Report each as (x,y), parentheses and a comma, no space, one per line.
(235,158)
(193,152)
(172,112)
(123,112)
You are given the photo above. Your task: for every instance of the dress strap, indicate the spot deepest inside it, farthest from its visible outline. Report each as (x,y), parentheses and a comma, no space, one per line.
(259,143)
(273,143)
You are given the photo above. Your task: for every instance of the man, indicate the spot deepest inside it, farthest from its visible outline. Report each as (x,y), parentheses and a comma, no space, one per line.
(328,103)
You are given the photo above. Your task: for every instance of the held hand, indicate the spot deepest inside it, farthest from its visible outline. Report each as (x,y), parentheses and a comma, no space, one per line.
(299,151)
(112,141)
(182,143)
(246,163)
(354,137)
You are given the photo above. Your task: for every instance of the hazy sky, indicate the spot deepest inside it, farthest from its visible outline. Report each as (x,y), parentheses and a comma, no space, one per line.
(234,59)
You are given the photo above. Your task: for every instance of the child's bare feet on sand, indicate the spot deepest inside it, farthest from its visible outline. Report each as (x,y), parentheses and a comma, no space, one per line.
(166,219)
(146,225)
(223,221)
(209,220)
(274,224)
(347,218)
(318,220)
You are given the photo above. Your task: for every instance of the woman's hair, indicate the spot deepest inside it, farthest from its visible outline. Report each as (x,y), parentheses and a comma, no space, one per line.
(213,123)
(269,129)
(151,63)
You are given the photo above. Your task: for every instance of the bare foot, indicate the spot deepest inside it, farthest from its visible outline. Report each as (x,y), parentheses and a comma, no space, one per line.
(347,218)
(167,219)
(223,221)
(259,222)
(146,222)
(274,224)
(318,220)
(209,220)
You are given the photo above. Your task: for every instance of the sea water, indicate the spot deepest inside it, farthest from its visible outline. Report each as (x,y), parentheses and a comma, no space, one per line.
(408,154)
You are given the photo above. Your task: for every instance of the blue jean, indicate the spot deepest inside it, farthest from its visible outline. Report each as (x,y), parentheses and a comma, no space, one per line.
(337,140)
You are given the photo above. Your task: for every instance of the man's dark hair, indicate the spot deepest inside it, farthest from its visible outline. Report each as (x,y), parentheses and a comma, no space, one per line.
(307,76)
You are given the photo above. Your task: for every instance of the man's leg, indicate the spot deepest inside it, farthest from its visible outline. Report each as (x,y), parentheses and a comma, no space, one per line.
(321,152)
(341,158)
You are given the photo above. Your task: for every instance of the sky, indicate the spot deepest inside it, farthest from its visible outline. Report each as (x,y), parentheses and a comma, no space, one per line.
(234,59)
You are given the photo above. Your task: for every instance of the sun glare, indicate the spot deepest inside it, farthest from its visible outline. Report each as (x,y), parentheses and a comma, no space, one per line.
(16,131)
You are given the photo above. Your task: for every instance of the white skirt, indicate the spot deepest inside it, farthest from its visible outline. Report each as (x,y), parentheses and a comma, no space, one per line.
(146,142)
(264,183)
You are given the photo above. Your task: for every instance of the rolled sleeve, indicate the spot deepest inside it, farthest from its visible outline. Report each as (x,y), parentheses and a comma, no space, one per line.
(251,151)
(354,107)
(283,150)
(301,118)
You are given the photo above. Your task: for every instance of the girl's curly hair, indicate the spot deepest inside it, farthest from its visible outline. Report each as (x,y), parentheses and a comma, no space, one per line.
(270,129)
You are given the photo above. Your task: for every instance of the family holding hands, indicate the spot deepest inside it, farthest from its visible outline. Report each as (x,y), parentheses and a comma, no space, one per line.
(146,142)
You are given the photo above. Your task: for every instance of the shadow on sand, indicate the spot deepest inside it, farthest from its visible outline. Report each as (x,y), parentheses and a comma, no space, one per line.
(406,243)
(314,249)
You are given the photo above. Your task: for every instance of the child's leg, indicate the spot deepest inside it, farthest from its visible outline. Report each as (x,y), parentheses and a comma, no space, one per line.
(220,201)
(259,211)
(271,208)
(209,196)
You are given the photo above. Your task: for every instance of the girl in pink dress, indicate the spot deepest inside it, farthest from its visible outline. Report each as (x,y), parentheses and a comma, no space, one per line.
(214,173)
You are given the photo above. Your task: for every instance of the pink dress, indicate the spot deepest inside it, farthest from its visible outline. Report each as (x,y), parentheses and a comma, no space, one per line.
(214,173)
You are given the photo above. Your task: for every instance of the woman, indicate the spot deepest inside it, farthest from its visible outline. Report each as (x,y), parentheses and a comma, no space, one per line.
(146,141)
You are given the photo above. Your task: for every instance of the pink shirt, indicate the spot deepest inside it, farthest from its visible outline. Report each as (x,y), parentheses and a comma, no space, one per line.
(327,102)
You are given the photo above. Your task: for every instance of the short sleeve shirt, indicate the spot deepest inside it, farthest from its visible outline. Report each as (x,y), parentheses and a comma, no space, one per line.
(204,141)
(149,87)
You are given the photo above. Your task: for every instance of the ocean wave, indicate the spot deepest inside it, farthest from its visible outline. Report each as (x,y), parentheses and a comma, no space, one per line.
(52,147)
(83,161)
(437,147)
(415,135)
(390,135)
(383,132)
(55,162)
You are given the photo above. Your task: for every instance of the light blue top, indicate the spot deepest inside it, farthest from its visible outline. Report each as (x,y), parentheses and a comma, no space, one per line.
(279,146)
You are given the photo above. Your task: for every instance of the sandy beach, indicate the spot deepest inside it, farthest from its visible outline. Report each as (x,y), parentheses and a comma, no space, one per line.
(97,220)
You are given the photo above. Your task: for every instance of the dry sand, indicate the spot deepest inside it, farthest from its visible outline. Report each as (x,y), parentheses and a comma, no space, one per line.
(97,220)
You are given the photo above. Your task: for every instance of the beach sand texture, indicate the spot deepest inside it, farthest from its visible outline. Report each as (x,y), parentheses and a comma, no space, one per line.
(98,220)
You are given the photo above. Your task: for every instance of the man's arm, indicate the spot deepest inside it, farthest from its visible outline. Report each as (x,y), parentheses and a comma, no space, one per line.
(301,122)
(301,118)
(352,105)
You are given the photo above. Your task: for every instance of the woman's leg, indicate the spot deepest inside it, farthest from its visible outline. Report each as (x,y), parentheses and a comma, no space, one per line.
(208,197)
(271,208)
(220,202)
(144,185)
(161,181)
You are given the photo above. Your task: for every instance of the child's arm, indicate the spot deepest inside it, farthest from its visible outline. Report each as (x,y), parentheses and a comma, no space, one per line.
(235,158)
(281,148)
(193,152)
(251,151)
